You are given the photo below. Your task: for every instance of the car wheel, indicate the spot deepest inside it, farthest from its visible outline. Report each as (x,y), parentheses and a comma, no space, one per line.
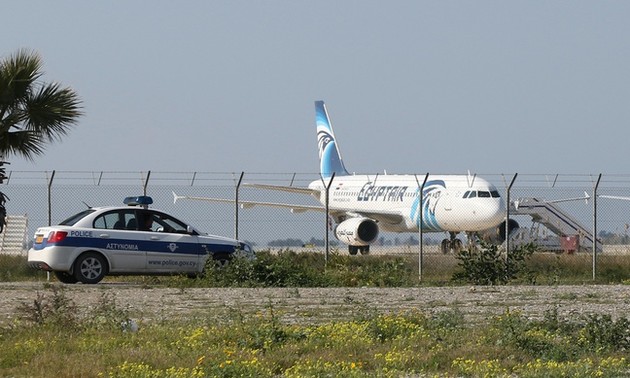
(221,260)
(66,277)
(90,268)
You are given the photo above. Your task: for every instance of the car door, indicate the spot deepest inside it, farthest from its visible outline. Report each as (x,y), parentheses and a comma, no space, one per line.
(123,247)
(171,247)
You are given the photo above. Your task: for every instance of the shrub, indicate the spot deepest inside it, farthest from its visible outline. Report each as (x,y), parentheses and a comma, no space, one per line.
(284,269)
(487,265)
(290,269)
(601,333)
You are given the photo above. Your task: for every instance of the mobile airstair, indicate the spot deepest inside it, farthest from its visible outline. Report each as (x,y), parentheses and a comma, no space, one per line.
(13,237)
(556,220)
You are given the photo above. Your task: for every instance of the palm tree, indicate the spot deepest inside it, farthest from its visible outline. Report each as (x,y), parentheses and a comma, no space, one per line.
(32,113)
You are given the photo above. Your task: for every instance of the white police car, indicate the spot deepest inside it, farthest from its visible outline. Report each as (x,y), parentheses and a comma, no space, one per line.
(130,239)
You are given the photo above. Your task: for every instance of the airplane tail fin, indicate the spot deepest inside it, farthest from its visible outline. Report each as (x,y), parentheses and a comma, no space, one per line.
(329,156)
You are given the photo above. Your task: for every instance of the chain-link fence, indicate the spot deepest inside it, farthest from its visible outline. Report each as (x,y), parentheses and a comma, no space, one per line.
(559,213)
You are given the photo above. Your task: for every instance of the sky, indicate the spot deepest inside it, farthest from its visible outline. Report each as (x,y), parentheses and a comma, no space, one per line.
(410,86)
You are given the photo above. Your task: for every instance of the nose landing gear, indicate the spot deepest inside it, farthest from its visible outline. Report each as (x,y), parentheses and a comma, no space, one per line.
(451,245)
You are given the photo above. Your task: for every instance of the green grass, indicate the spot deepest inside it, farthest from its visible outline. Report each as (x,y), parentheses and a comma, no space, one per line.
(290,269)
(307,269)
(49,337)
(15,268)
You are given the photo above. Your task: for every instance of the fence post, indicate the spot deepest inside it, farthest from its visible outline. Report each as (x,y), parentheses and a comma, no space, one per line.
(238,186)
(192,182)
(326,239)
(146,182)
(595,226)
(508,203)
(420,222)
(50,198)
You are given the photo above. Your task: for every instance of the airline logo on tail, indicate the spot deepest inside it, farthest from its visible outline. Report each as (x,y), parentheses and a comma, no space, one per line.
(329,157)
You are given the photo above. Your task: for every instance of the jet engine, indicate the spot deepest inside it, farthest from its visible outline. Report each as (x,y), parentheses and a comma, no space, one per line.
(357,231)
(497,235)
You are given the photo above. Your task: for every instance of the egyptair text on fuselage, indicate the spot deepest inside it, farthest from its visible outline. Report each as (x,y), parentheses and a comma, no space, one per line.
(383,193)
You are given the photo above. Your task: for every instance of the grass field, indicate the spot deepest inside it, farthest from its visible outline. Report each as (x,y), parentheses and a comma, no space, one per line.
(49,337)
(310,269)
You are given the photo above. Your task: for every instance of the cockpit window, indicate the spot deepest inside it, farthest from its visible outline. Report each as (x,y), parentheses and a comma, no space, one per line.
(482,194)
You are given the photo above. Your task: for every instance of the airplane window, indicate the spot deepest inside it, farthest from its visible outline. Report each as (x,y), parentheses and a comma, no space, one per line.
(495,194)
(473,194)
(484,194)
(466,194)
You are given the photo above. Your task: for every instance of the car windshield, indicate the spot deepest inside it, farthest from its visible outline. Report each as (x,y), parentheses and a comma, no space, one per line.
(76,217)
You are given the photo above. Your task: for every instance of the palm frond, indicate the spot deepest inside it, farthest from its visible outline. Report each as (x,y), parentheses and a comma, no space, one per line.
(18,73)
(32,113)
(22,143)
(52,111)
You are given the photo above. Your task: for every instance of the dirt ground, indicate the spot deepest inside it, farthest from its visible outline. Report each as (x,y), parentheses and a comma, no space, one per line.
(311,305)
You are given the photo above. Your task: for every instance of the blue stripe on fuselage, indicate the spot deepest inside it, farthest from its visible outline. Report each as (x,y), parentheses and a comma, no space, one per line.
(431,196)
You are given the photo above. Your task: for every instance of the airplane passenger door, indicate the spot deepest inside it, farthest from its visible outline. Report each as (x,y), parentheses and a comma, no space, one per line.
(448,214)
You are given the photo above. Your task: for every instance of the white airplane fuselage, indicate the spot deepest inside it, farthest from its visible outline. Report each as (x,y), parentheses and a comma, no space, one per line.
(451,203)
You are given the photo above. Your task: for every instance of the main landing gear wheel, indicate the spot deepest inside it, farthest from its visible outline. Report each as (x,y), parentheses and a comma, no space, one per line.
(457,245)
(362,249)
(445,246)
(221,260)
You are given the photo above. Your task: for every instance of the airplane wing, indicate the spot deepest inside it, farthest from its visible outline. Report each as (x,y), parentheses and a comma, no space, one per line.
(290,189)
(249,204)
(391,217)
(384,217)
(616,197)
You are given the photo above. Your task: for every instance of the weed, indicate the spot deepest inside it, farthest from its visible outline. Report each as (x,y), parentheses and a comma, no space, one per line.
(15,268)
(601,333)
(107,315)
(409,343)
(487,265)
(57,311)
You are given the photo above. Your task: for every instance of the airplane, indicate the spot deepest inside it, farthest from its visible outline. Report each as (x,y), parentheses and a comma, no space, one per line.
(362,205)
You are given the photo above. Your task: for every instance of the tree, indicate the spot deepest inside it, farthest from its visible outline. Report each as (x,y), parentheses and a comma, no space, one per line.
(32,113)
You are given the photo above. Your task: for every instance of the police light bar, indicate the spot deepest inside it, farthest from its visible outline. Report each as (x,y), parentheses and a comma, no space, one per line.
(138,200)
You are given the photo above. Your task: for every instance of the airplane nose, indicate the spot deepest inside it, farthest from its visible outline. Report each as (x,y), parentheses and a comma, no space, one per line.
(492,212)
(497,213)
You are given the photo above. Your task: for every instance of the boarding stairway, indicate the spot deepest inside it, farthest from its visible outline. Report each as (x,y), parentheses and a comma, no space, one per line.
(13,237)
(555,219)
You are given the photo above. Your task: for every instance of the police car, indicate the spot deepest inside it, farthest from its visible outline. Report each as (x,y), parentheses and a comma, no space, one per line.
(130,239)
